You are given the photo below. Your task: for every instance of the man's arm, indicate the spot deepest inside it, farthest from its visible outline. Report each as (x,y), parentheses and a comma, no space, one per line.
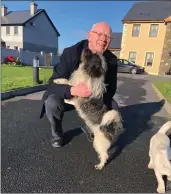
(111,77)
(61,70)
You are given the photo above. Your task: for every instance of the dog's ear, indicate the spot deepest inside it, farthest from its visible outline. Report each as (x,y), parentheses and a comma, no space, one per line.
(86,54)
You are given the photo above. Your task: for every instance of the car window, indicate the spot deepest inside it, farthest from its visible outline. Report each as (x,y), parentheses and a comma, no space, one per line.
(125,62)
(119,61)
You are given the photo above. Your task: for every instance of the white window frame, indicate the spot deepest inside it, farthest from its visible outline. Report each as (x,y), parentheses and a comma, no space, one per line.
(134,31)
(8,28)
(15,27)
(134,58)
(146,60)
(152,30)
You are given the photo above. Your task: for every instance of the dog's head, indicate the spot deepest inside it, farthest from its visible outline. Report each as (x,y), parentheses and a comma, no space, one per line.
(94,63)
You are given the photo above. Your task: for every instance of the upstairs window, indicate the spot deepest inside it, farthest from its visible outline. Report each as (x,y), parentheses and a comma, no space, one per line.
(136,30)
(16,30)
(7,30)
(153,30)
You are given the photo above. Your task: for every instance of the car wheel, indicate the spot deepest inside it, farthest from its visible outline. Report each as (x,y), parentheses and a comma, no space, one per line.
(133,71)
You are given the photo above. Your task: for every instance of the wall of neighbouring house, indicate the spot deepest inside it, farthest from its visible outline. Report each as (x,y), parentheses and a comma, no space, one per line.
(27,57)
(116,52)
(12,39)
(40,37)
(166,53)
(143,44)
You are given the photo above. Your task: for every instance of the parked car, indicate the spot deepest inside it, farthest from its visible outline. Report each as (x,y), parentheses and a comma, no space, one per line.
(125,66)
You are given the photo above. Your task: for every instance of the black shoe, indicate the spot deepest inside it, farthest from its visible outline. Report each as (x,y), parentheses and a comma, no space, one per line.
(57,134)
(57,142)
(89,135)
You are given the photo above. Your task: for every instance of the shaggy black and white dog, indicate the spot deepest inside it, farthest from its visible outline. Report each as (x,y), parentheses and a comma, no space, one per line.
(103,123)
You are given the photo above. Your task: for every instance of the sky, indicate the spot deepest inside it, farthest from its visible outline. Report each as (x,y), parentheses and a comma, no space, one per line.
(73,19)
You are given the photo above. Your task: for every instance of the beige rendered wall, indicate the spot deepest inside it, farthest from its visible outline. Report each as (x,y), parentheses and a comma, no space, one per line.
(143,44)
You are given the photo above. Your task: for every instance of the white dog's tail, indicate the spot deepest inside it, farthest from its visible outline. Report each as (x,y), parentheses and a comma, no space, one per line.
(165,127)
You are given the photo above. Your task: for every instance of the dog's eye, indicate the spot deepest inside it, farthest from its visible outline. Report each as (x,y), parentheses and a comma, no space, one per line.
(85,105)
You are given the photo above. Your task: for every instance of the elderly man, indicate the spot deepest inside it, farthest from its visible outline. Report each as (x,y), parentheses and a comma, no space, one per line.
(99,39)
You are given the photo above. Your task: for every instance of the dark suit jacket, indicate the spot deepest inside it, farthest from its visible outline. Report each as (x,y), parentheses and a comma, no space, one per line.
(69,62)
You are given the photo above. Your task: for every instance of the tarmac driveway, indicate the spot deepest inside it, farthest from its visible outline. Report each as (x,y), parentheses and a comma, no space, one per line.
(30,164)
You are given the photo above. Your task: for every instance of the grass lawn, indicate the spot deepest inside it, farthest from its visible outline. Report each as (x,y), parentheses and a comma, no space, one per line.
(165,89)
(15,77)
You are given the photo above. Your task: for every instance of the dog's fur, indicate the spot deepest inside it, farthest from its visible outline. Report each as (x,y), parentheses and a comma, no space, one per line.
(103,123)
(160,156)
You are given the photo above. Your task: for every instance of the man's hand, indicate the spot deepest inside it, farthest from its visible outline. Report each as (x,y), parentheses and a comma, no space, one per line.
(80,90)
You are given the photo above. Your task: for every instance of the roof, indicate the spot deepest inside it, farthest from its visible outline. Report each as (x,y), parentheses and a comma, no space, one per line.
(17,17)
(153,10)
(22,17)
(116,41)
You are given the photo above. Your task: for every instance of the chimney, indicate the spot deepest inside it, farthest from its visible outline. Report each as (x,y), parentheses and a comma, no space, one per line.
(3,10)
(33,8)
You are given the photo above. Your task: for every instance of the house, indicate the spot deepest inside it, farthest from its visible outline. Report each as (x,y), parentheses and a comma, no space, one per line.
(31,30)
(115,45)
(146,38)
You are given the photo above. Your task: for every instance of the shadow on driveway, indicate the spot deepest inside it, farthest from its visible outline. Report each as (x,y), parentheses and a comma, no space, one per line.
(136,120)
(131,91)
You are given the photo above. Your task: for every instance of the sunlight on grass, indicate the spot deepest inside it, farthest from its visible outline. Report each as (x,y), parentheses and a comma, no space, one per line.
(14,77)
(165,89)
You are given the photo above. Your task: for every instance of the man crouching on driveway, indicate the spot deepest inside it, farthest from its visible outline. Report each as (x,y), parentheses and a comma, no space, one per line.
(99,39)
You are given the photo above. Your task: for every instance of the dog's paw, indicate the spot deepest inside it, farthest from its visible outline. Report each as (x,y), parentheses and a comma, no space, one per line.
(60,81)
(99,166)
(69,101)
(56,81)
(150,166)
(161,189)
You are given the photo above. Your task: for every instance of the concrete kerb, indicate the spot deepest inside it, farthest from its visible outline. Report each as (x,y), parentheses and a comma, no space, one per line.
(23,91)
(167,105)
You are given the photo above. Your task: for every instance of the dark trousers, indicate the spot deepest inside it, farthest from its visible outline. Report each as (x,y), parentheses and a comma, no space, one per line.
(55,108)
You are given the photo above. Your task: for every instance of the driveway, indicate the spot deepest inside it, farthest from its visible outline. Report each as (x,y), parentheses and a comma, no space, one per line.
(30,164)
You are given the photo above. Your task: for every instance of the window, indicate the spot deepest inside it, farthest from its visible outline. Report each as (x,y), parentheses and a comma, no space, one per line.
(149,58)
(32,24)
(132,56)
(119,61)
(125,62)
(16,47)
(15,29)
(136,30)
(153,30)
(7,30)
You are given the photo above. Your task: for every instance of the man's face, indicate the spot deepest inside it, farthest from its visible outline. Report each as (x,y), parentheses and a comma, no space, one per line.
(99,38)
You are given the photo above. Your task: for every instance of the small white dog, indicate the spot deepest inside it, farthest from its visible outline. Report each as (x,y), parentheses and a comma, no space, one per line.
(160,156)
